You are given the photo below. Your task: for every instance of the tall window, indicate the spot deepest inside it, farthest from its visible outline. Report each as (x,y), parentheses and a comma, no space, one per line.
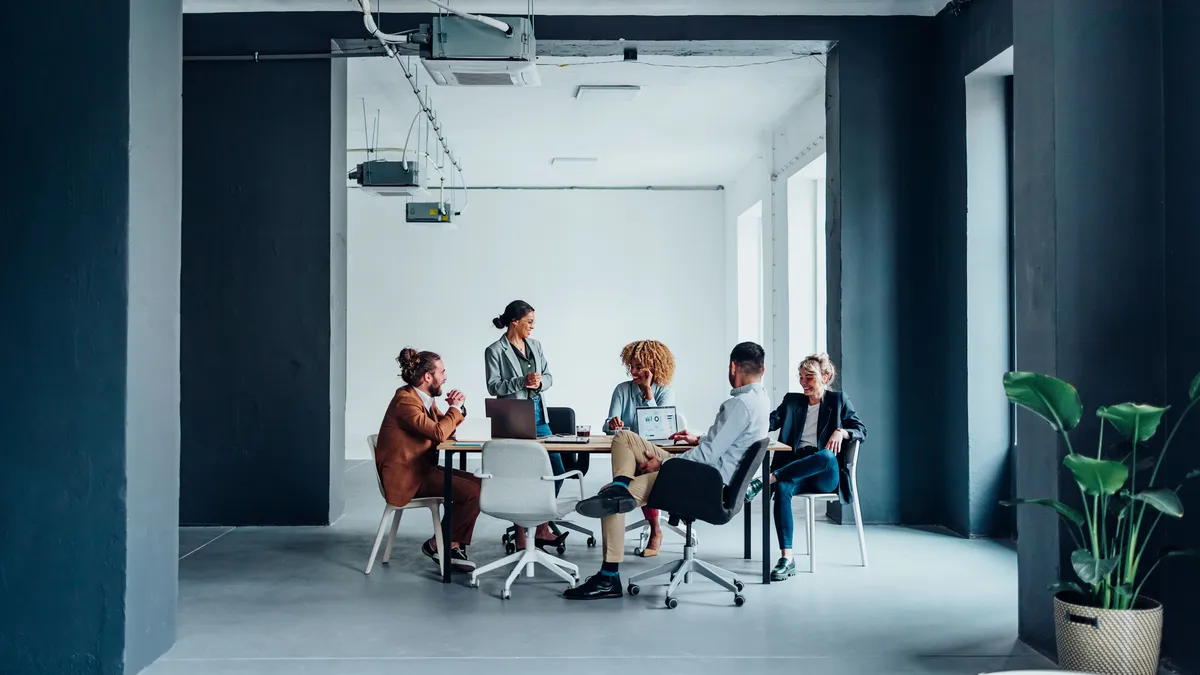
(806,264)
(749,275)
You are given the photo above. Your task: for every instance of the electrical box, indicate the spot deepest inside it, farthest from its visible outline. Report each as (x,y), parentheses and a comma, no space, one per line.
(389,178)
(427,212)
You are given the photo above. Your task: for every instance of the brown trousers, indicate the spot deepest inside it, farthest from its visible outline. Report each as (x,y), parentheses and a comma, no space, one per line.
(628,450)
(464,492)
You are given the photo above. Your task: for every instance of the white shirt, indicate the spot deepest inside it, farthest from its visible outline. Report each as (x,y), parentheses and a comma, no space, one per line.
(742,420)
(809,435)
(428,400)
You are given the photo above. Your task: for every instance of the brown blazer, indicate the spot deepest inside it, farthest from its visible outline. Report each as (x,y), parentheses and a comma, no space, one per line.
(407,446)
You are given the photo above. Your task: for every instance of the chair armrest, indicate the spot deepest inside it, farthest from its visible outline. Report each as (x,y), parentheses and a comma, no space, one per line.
(483,476)
(570,474)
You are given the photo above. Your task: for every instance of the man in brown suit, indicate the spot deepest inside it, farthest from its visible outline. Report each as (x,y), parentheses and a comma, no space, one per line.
(406,451)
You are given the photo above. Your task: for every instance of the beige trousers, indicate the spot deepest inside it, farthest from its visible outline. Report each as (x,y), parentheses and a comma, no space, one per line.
(628,450)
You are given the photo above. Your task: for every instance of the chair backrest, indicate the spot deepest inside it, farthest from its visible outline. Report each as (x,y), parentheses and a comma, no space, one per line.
(851,457)
(372,441)
(515,490)
(562,420)
(735,494)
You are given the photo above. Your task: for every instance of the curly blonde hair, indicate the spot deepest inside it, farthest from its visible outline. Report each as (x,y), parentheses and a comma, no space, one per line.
(650,354)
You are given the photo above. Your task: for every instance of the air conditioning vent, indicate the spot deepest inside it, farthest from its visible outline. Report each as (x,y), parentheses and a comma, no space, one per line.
(484,79)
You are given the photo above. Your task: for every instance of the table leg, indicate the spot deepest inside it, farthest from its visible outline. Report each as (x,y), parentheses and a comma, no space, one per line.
(462,461)
(447,515)
(747,528)
(766,518)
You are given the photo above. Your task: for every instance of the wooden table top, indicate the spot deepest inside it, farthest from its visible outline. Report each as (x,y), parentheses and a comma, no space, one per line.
(601,444)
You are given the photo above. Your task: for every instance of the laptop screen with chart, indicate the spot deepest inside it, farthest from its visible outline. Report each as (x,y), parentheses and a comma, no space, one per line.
(657,424)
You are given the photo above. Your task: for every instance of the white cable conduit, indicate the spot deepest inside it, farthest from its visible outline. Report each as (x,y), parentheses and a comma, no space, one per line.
(487,20)
(387,39)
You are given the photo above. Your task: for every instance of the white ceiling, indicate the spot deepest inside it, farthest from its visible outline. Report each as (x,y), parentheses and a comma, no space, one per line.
(595,7)
(689,125)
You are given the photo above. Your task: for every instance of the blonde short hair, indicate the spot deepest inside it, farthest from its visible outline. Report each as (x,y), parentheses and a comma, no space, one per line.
(822,367)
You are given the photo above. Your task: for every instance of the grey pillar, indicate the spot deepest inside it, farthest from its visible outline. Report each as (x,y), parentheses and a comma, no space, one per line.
(89,386)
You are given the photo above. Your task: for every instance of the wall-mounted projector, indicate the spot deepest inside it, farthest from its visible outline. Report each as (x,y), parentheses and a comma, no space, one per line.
(465,53)
(389,179)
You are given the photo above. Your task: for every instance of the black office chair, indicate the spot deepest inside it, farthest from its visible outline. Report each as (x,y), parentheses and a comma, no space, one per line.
(562,421)
(692,491)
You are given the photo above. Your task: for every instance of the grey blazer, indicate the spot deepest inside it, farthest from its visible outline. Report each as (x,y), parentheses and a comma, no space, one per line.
(505,378)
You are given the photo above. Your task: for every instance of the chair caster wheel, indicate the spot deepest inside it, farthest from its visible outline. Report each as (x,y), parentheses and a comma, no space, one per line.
(591,542)
(672,603)
(634,589)
(739,586)
(561,548)
(639,551)
(474,583)
(505,538)
(739,600)
(510,548)
(505,595)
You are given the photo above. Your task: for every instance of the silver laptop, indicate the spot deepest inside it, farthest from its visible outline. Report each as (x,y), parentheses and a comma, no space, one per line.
(657,425)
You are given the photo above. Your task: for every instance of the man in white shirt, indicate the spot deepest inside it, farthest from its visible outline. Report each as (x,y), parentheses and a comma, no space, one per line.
(742,420)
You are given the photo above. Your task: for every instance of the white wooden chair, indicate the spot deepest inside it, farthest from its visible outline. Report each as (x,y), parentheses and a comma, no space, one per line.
(431,503)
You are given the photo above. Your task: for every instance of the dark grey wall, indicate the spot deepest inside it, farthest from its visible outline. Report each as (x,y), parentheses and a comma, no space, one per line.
(1089,240)
(86,253)
(1181,109)
(966,41)
(152,348)
(879,125)
(256,354)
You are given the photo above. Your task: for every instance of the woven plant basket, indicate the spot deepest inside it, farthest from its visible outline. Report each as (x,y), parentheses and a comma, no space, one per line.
(1107,641)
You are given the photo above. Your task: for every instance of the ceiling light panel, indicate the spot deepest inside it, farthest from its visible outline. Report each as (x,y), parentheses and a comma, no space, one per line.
(607,92)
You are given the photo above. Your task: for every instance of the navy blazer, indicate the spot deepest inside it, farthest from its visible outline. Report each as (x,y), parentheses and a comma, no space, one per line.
(836,412)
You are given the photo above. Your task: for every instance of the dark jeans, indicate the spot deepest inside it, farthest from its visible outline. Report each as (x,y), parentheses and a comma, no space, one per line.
(543,430)
(816,472)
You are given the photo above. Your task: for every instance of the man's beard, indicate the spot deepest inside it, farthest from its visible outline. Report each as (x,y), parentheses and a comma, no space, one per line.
(435,390)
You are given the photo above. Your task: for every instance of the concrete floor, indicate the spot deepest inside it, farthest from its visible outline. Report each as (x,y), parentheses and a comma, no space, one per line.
(295,601)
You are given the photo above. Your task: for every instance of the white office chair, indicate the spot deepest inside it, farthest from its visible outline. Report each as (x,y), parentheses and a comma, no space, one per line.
(431,503)
(812,499)
(518,487)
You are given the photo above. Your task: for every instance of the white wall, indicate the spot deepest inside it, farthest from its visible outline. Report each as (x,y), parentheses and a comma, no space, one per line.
(797,140)
(602,268)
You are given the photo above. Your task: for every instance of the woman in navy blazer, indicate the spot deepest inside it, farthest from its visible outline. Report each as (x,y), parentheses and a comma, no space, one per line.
(816,424)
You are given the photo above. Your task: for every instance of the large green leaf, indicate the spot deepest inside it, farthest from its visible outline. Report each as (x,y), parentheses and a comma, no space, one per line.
(1125,417)
(1090,570)
(1192,474)
(1054,400)
(1194,390)
(1063,510)
(1097,476)
(1176,552)
(1162,499)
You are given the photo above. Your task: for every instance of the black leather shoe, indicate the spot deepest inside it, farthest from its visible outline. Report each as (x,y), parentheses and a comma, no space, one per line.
(596,587)
(783,569)
(612,498)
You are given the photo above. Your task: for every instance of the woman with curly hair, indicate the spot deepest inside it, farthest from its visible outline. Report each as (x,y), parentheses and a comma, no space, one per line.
(651,366)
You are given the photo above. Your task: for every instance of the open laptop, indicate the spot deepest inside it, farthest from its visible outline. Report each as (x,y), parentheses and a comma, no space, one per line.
(511,418)
(657,425)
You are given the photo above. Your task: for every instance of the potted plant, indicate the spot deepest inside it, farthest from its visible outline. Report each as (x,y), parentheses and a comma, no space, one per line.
(1104,624)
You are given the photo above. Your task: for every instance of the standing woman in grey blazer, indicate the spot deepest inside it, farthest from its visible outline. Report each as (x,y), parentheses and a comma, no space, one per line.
(516,367)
